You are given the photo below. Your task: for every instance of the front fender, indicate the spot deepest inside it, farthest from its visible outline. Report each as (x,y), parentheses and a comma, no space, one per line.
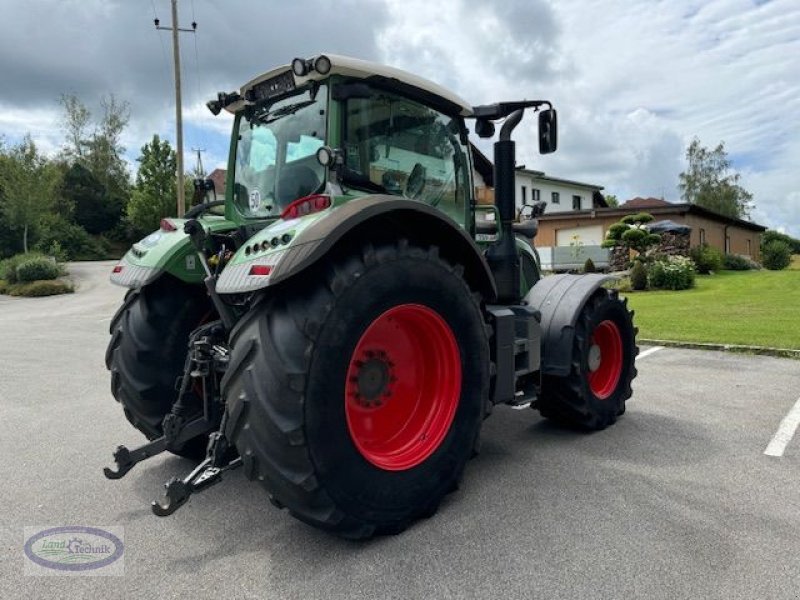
(561,298)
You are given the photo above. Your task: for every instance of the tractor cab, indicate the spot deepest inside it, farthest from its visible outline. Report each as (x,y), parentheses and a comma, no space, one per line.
(345,128)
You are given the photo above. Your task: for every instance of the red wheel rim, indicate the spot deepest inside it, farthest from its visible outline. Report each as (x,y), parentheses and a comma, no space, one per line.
(402,388)
(605,359)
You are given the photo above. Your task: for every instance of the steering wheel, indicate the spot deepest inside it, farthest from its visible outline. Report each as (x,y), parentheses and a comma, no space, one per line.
(200,209)
(415,183)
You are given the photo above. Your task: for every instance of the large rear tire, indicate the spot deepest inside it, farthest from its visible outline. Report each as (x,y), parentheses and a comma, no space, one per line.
(146,354)
(594,393)
(355,395)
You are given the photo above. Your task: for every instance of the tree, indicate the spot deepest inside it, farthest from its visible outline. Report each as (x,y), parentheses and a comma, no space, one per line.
(99,152)
(630,232)
(611,200)
(709,182)
(89,199)
(155,192)
(29,183)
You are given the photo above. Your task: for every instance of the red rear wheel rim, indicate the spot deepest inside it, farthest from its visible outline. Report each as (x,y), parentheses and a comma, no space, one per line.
(402,388)
(605,359)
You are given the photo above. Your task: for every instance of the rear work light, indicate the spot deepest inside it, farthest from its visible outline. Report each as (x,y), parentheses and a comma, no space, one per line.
(117,269)
(260,270)
(305,206)
(167,225)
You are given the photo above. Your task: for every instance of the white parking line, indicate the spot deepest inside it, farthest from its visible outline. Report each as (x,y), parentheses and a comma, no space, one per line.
(649,351)
(785,432)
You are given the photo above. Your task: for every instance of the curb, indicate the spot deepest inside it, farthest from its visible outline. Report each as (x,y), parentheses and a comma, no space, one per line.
(742,349)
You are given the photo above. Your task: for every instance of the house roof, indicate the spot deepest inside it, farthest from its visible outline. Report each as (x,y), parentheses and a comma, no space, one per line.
(656,211)
(218,177)
(640,202)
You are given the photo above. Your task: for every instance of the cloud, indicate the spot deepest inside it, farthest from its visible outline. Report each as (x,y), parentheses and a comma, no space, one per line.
(634,81)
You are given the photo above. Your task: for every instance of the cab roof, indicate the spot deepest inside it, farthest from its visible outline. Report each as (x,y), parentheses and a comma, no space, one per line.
(428,91)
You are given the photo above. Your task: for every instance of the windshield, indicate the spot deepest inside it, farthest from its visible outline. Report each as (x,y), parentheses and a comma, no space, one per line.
(276,153)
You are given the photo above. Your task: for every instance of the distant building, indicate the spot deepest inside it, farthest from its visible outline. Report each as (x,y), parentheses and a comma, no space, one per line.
(561,195)
(589,227)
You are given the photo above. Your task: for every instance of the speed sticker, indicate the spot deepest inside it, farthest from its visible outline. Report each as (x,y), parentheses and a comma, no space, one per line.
(255,200)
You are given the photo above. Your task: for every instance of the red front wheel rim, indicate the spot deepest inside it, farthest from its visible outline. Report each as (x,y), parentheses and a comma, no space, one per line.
(605,359)
(402,388)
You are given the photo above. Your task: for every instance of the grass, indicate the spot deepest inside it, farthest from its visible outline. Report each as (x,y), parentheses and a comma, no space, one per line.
(756,308)
(35,289)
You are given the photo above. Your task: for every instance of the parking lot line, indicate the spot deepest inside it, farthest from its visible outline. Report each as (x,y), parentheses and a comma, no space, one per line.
(785,432)
(649,351)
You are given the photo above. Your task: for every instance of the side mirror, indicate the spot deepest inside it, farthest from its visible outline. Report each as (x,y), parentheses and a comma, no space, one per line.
(548,131)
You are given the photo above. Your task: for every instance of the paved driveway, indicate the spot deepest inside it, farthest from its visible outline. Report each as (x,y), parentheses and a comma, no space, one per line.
(678,500)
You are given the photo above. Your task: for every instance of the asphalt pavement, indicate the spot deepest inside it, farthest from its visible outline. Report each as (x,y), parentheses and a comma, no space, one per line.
(677,500)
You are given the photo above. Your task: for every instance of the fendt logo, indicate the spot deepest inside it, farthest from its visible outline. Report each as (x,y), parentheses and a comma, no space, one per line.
(73,550)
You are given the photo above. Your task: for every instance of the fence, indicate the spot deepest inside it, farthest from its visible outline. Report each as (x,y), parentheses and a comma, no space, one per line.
(572,258)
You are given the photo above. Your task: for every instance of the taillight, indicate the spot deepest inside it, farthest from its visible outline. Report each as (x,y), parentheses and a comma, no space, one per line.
(305,206)
(117,269)
(260,270)
(167,225)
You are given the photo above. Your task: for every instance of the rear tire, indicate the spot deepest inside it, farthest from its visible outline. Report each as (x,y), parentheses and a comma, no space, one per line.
(309,362)
(594,393)
(146,354)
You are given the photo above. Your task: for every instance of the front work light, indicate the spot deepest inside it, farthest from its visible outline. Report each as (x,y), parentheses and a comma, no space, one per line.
(299,67)
(322,65)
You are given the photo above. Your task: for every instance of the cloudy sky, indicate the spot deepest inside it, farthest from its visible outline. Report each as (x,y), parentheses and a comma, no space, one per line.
(634,80)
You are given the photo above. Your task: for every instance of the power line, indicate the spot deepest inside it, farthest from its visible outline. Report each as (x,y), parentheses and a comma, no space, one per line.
(165,64)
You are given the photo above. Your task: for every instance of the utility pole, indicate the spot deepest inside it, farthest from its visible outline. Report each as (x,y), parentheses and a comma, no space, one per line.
(199,167)
(176,54)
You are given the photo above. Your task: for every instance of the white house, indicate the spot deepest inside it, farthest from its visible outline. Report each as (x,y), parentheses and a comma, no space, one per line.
(561,195)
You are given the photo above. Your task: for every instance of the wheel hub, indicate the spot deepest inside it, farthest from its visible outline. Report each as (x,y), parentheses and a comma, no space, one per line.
(595,358)
(372,381)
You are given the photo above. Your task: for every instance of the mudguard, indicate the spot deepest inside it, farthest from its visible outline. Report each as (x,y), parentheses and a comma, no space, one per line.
(355,220)
(560,298)
(165,252)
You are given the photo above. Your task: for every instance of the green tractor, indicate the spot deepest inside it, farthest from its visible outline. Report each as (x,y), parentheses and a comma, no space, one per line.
(344,321)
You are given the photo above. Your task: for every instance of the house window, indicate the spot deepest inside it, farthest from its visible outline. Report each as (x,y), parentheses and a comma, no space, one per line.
(556,198)
(576,203)
(702,236)
(727,244)
(749,248)
(524,194)
(534,194)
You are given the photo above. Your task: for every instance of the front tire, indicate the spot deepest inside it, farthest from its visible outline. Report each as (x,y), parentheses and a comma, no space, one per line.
(356,395)
(604,350)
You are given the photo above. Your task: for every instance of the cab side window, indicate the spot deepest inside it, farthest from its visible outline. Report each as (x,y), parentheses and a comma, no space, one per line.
(407,149)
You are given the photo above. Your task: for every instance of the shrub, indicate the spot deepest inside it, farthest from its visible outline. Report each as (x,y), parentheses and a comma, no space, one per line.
(638,276)
(776,255)
(672,273)
(4,286)
(706,258)
(8,267)
(734,262)
(37,269)
(771,235)
(72,239)
(41,288)
(588,266)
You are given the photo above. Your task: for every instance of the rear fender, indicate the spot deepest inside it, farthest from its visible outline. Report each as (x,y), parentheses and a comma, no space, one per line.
(369,218)
(560,299)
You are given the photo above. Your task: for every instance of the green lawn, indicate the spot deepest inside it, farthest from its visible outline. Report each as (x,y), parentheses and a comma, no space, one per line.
(757,308)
